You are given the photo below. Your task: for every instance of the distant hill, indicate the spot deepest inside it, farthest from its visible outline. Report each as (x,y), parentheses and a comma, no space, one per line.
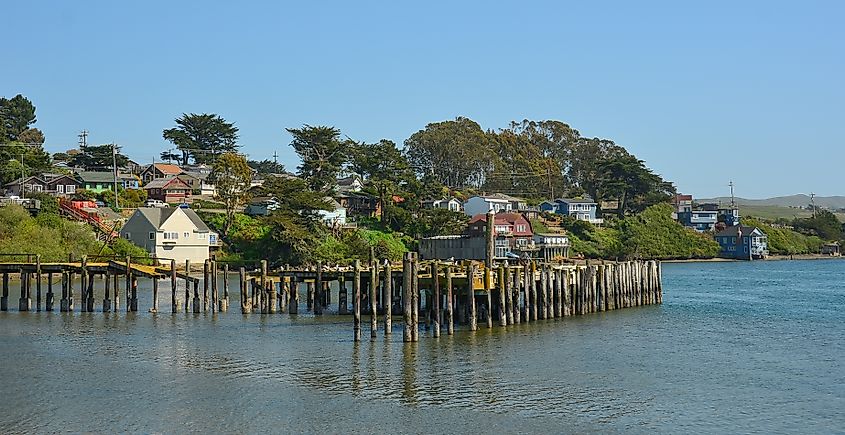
(801,200)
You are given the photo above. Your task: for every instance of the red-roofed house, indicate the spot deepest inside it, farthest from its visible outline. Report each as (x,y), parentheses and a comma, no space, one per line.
(159,170)
(511,230)
(170,190)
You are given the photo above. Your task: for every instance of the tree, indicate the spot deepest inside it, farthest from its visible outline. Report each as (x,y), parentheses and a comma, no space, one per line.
(323,155)
(521,168)
(267,166)
(200,137)
(627,180)
(16,115)
(31,136)
(294,225)
(824,224)
(169,156)
(99,158)
(231,176)
(384,169)
(456,152)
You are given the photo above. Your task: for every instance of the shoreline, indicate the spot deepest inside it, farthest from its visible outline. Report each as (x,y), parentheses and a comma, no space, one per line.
(798,257)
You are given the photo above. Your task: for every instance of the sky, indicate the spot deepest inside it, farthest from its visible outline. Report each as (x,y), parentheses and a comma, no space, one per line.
(704,92)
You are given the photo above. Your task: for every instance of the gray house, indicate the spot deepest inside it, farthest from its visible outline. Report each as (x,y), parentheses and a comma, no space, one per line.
(171,233)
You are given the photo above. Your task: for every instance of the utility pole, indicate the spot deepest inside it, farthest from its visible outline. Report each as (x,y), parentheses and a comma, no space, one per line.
(813,203)
(733,201)
(114,167)
(23,175)
(83,140)
(275,158)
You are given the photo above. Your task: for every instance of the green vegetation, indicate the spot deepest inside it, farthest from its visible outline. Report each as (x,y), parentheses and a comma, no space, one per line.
(49,235)
(784,241)
(652,234)
(199,137)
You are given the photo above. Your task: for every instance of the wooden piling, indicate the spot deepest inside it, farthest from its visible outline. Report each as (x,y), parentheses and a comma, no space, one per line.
(225,287)
(215,294)
(188,286)
(526,293)
(4,299)
(435,283)
(473,317)
(38,282)
(206,281)
(63,302)
(533,283)
(83,280)
(293,305)
(174,303)
(373,296)
(309,287)
(508,297)
(342,296)
(407,300)
(107,293)
(415,294)
(450,303)
(154,308)
(48,305)
(517,314)
(503,316)
(356,300)
(488,290)
(560,283)
(388,306)
(544,293)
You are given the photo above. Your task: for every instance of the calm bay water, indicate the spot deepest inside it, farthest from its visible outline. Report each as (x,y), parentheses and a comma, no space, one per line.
(735,347)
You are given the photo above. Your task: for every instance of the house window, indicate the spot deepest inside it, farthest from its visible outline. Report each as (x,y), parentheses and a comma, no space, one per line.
(60,188)
(70,189)
(152,235)
(201,236)
(186,235)
(171,235)
(127,235)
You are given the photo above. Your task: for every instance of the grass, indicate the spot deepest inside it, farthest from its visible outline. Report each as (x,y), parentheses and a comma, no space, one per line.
(773,212)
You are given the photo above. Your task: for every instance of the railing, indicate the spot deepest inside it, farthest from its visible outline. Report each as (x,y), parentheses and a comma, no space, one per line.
(105,233)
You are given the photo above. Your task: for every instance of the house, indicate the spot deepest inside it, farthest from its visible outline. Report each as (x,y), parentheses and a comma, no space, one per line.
(831,249)
(170,190)
(699,220)
(198,181)
(170,233)
(351,183)
(334,217)
(359,204)
(742,242)
(482,204)
(551,246)
(97,182)
(729,215)
(261,206)
(129,181)
(510,230)
(581,209)
(449,204)
(682,203)
(159,170)
(457,247)
(53,184)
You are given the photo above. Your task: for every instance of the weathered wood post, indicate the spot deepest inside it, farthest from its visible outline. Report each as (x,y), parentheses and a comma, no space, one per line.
(63,302)
(356,300)
(415,296)
(317,290)
(435,284)
(515,295)
(450,303)
(188,285)
(128,276)
(560,283)
(116,291)
(309,287)
(90,292)
(342,295)
(50,299)
(533,279)
(488,290)
(503,316)
(508,296)
(293,307)
(407,299)
(4,299)
(388,306)
(473,318)
(271,294)
(225,306)
(206,282)
(215,295)
(154,308)
(107,293)
(373,295)
(544,293)
(38,282)
(245,306)
(174,303)
(83,280)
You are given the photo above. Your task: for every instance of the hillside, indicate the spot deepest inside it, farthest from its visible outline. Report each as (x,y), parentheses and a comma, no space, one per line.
(794,201)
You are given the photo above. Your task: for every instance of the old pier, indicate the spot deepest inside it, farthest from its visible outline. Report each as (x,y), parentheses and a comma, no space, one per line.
(441,294)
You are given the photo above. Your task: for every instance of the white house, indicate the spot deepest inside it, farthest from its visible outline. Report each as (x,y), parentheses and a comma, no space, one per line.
(334,217)
(449,204)
(482,204)
(170,233)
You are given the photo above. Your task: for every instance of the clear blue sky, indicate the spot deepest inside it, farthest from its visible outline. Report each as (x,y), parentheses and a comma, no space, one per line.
(704,92)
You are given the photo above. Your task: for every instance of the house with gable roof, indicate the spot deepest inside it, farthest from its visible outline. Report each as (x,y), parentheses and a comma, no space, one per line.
(170,233)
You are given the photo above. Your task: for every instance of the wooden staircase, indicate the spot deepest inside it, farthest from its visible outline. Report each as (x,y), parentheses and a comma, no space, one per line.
(105,233)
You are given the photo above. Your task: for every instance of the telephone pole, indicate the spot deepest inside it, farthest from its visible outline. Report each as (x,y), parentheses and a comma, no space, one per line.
(813,203)
(733,201)
(114,167)
(83,140)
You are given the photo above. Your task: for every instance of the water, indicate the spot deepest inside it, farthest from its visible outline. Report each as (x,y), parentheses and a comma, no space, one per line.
(736,347)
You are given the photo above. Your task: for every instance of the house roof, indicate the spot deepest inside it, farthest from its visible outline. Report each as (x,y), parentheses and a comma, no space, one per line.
(160,183)
(734,231)
(159,215)
(505,219)
(95,177)
(196,174)
(505,197)
(22,180)
(348,181)
(166,168)
(575,201)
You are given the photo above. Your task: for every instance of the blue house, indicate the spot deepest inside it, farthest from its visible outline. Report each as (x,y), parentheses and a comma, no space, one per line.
(581,209)
(742,242)
(699,220)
